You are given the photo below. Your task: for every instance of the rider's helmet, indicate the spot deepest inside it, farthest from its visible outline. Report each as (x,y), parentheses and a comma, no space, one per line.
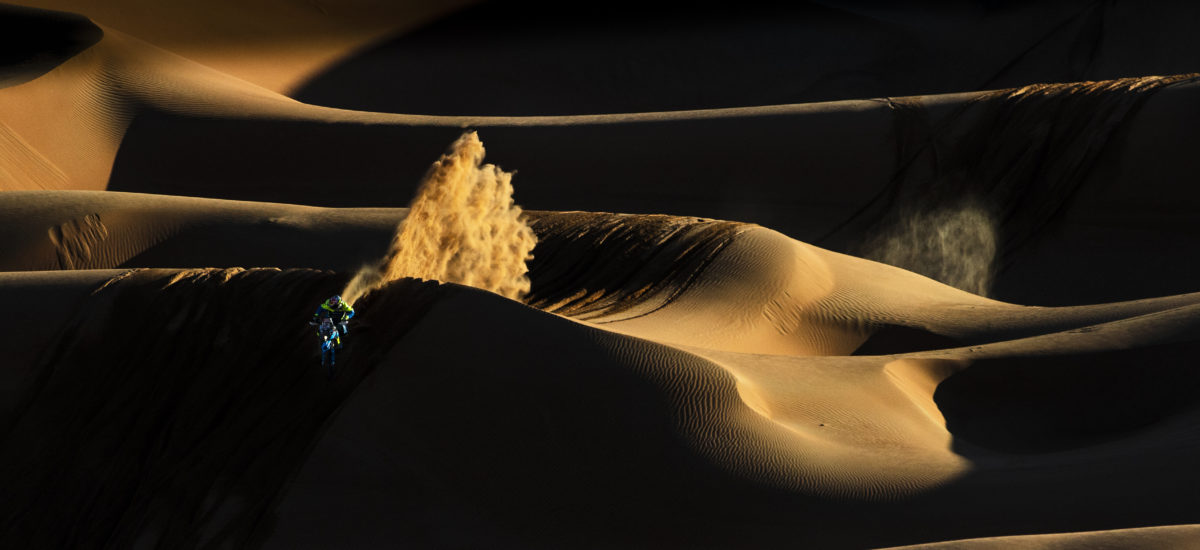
(335,300)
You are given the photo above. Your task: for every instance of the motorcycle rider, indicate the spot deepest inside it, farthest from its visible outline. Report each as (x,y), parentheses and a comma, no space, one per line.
(339,313)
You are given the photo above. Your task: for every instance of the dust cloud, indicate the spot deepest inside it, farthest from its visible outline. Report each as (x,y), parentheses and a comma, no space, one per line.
(462,227)
(956,245)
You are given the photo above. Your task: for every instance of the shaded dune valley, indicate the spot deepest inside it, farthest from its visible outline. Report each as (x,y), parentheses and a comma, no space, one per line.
(830,276)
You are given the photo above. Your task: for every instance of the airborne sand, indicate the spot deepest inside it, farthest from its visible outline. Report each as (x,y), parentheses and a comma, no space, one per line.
(749,378)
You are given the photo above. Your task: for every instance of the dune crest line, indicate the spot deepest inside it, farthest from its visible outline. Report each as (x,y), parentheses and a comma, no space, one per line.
(462,227)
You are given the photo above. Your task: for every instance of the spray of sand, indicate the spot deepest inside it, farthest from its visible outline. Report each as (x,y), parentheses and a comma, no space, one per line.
(462,227)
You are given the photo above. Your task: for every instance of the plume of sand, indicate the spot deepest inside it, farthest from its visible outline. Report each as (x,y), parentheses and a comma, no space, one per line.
(462,227)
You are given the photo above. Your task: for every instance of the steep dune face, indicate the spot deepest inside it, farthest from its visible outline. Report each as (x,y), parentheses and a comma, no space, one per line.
(75,116)
(47,302)
(979,184)
(542,59)
(174,405)
(616,440)
(775,167)
(743,288)
(544,431)
(604,265)
(604,438)
(680,280)
(272,44)
(141,119)
(37,41)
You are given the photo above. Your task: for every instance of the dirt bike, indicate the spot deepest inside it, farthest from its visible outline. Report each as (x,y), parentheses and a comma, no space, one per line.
(330,336)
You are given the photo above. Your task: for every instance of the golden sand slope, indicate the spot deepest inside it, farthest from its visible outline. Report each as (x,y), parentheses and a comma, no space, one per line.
(637,415)
(46,230)
(1174,536)
(545,431)
(75,116)
(679,280)
(617,440)
(275,45)
(170,119)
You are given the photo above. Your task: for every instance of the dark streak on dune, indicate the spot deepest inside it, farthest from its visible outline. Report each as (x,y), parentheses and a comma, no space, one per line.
(176,406)
(1019,156)
(33,41)
(590,264)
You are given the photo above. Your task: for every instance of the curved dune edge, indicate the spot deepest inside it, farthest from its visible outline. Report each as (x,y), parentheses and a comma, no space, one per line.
(39,40)
(680,281)
(851,434)
(121,389)
(50,230)
(734,431)
(767,294)
(1164,537)
(592,265)
(76,115)
(126,115)
(275,46)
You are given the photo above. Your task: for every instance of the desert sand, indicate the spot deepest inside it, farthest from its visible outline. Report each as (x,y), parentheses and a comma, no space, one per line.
(617,287)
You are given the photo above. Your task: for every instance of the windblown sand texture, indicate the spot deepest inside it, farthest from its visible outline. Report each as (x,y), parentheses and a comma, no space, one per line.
(832,275)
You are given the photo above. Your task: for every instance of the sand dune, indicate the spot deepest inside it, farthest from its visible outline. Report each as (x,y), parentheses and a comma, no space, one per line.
(144,120)
(1175,536)
(275,45)
(752,324)
(844,435)
(538,58)
(604,437)
(681,280)
(49,230)
(75,115)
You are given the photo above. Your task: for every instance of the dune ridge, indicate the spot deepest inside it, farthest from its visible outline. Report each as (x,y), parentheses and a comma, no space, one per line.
(462,227)
(1167,536)
(39,40)
(53,230)
(766,436)
(275,45)
(151,446)
(733,439)
(161,112)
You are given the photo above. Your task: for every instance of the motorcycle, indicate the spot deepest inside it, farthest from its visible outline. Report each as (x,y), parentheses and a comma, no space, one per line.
(330,340)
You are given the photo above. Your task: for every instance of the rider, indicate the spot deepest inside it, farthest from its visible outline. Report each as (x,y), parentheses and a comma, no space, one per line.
(338,312)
